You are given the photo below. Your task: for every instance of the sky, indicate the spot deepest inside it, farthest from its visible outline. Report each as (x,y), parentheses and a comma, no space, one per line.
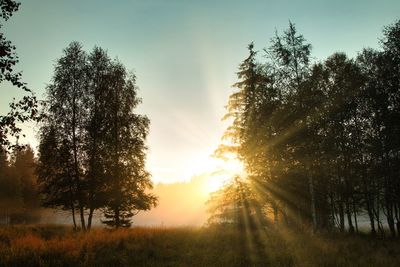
(185,55)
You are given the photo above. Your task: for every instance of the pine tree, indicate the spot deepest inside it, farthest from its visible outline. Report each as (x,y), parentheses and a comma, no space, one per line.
(23,169)
(11,201)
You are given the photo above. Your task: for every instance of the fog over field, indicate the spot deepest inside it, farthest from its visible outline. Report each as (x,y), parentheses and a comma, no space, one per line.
(200,133)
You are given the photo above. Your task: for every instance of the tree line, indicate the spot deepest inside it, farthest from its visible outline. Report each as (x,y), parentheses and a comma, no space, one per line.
(320,140)
(92,151)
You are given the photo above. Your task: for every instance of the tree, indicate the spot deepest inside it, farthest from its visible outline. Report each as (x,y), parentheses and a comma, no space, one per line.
(65,125)
(92,151)
(389,71)
(289,59)
(245,109)
(54,170)
(127,179)
(10,190)
(95,141)
(23,170)
(26,108)
(320,141)
(239,105)
(236,204)
(382,111)
(19,199)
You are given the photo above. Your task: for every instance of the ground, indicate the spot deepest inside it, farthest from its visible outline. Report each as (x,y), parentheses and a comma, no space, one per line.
(211,246)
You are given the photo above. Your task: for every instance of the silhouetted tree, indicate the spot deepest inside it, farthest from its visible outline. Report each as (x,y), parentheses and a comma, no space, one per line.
(127,178)
(245,110)
(10,190)
(289,58)
(95,140)
(66,120)
(92,151)
(19,199)
(26,108)
(236,204)
(23,165)
(320,141)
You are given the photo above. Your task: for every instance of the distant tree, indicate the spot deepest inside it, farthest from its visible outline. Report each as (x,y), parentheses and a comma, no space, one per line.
(19,199)
(10,190)
(26,108)
(23,170)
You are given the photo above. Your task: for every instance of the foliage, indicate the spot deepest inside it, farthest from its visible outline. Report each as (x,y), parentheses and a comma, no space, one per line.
(19,199)
(25,109)
(236,204)
(320,140)
(92,145)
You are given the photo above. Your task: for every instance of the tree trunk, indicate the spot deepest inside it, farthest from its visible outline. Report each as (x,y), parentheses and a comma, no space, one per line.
(89,224)
(275,208)
(378,220)
(390,221)
(72,205)
(396,215)
(335,220)
(389,207)
(341,216)
(73,216)
(355,215)
(349,213)
(82,215)
(313,213)
(76,168)
(370,215)
(117,221)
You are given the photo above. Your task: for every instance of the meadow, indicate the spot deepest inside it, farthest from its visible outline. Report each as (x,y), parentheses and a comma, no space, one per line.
(207,246)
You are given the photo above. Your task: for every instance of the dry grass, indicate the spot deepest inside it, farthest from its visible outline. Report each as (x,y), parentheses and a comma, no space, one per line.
(59,246)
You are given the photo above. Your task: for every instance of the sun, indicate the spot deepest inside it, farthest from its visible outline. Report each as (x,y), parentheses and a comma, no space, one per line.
(213,183)
(217,172)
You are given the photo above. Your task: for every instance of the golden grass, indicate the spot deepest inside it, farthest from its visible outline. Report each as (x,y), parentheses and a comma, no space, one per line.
(213,246)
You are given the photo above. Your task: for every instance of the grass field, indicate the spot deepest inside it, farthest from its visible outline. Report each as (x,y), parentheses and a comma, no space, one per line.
(59,246)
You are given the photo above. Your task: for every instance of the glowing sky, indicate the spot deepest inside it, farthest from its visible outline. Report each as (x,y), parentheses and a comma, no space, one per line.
(185,55)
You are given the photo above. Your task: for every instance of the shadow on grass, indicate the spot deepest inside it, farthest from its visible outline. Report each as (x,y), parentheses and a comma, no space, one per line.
(211,246)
